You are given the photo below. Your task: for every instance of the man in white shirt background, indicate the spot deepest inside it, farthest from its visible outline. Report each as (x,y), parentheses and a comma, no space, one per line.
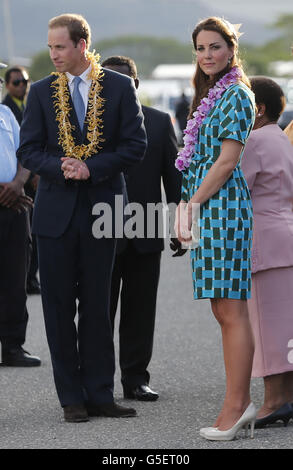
(14,245)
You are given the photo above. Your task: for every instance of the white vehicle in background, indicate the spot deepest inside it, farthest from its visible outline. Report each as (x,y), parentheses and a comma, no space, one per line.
(163,90)
(169,81)
(287,115)
(287,86)
(163,95)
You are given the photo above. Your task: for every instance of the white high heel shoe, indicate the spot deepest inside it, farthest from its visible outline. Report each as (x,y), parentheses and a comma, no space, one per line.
(248,417)
(202,431)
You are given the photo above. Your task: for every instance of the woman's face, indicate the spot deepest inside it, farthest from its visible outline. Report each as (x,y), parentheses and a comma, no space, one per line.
(212,51)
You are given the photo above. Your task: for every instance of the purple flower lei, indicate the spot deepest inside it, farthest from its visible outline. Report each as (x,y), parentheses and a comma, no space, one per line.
(206,104)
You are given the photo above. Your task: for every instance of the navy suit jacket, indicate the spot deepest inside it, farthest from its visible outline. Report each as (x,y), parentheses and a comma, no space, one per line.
(143,181)
(39,151)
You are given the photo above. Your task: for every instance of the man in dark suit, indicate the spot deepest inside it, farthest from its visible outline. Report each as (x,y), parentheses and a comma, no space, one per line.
(137,263)
(181,113)
(16,83)
(80,131)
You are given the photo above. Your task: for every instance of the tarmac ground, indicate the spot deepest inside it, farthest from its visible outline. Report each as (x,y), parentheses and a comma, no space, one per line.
(187,371)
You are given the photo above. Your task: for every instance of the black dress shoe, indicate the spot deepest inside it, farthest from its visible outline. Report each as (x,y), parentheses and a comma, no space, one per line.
(18,357)
(110,410)
(75,414)
(33,287)
(285,413)
(141,392)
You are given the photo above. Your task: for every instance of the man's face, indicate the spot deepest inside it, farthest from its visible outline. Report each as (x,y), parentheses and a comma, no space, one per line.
(65,55)
(17,85)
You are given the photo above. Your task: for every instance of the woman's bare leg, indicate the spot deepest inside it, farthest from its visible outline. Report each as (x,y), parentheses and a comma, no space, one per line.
(238,348)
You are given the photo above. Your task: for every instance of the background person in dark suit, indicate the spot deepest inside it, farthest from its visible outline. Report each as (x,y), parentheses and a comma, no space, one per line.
(17,86)
(137,263)
(181,113)
(75,265)
(16,83)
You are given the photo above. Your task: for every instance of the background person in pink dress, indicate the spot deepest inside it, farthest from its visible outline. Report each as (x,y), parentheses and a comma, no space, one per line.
(268,167)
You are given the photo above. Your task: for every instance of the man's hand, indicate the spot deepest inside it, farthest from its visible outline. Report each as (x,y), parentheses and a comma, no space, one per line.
(176,246)
(74,169)
(34,181)
(10,192)
(23,203)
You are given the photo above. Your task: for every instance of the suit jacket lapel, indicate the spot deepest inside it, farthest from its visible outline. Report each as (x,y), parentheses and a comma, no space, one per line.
(79,136)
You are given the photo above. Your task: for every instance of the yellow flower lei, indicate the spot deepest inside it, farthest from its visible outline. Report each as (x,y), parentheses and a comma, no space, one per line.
(93,116)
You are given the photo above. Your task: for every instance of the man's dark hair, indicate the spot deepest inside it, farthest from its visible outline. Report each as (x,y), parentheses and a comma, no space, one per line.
(11,70)
(122,60)
(77,26)
(269,93)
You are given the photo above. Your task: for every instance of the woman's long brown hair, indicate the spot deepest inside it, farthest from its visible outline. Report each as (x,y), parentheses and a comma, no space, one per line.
(201,81)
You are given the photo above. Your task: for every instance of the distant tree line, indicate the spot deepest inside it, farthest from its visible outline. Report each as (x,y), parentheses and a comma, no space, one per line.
(148,52)
(258,58)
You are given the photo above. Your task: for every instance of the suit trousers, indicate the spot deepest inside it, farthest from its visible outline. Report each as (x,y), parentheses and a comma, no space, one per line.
(75,275)
(139,274)
(34,265)
(14,260)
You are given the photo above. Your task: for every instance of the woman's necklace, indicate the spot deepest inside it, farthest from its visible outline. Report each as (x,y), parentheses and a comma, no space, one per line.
(93,116)
(206,104)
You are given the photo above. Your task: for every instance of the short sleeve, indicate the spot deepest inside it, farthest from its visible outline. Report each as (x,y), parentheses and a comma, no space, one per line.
(236,115)
(15,128)
(10,124)
(250,161)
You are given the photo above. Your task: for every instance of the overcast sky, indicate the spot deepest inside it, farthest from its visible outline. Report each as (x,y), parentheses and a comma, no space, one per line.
(263,10)
(112,18)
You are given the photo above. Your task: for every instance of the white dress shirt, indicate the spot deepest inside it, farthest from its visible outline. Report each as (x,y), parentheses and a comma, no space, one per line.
(9,142)
(84,86)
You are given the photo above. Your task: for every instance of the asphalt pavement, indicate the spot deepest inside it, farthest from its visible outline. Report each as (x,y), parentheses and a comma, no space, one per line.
(187,371)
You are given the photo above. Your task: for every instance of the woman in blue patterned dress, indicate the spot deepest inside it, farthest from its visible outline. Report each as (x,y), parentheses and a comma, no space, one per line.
(212,178)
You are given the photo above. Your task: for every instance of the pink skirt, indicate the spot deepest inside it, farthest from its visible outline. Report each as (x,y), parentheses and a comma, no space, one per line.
(271,316)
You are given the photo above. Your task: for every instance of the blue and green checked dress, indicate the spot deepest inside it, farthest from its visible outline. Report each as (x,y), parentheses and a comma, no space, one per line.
(221,262)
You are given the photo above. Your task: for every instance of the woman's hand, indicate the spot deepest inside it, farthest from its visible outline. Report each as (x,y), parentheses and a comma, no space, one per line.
(183,222)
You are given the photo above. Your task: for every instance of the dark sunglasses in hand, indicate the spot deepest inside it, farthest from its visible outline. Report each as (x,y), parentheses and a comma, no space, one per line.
(18,82)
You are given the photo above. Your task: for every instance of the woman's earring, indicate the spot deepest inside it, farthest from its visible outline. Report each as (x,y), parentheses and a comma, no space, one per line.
(229,61)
